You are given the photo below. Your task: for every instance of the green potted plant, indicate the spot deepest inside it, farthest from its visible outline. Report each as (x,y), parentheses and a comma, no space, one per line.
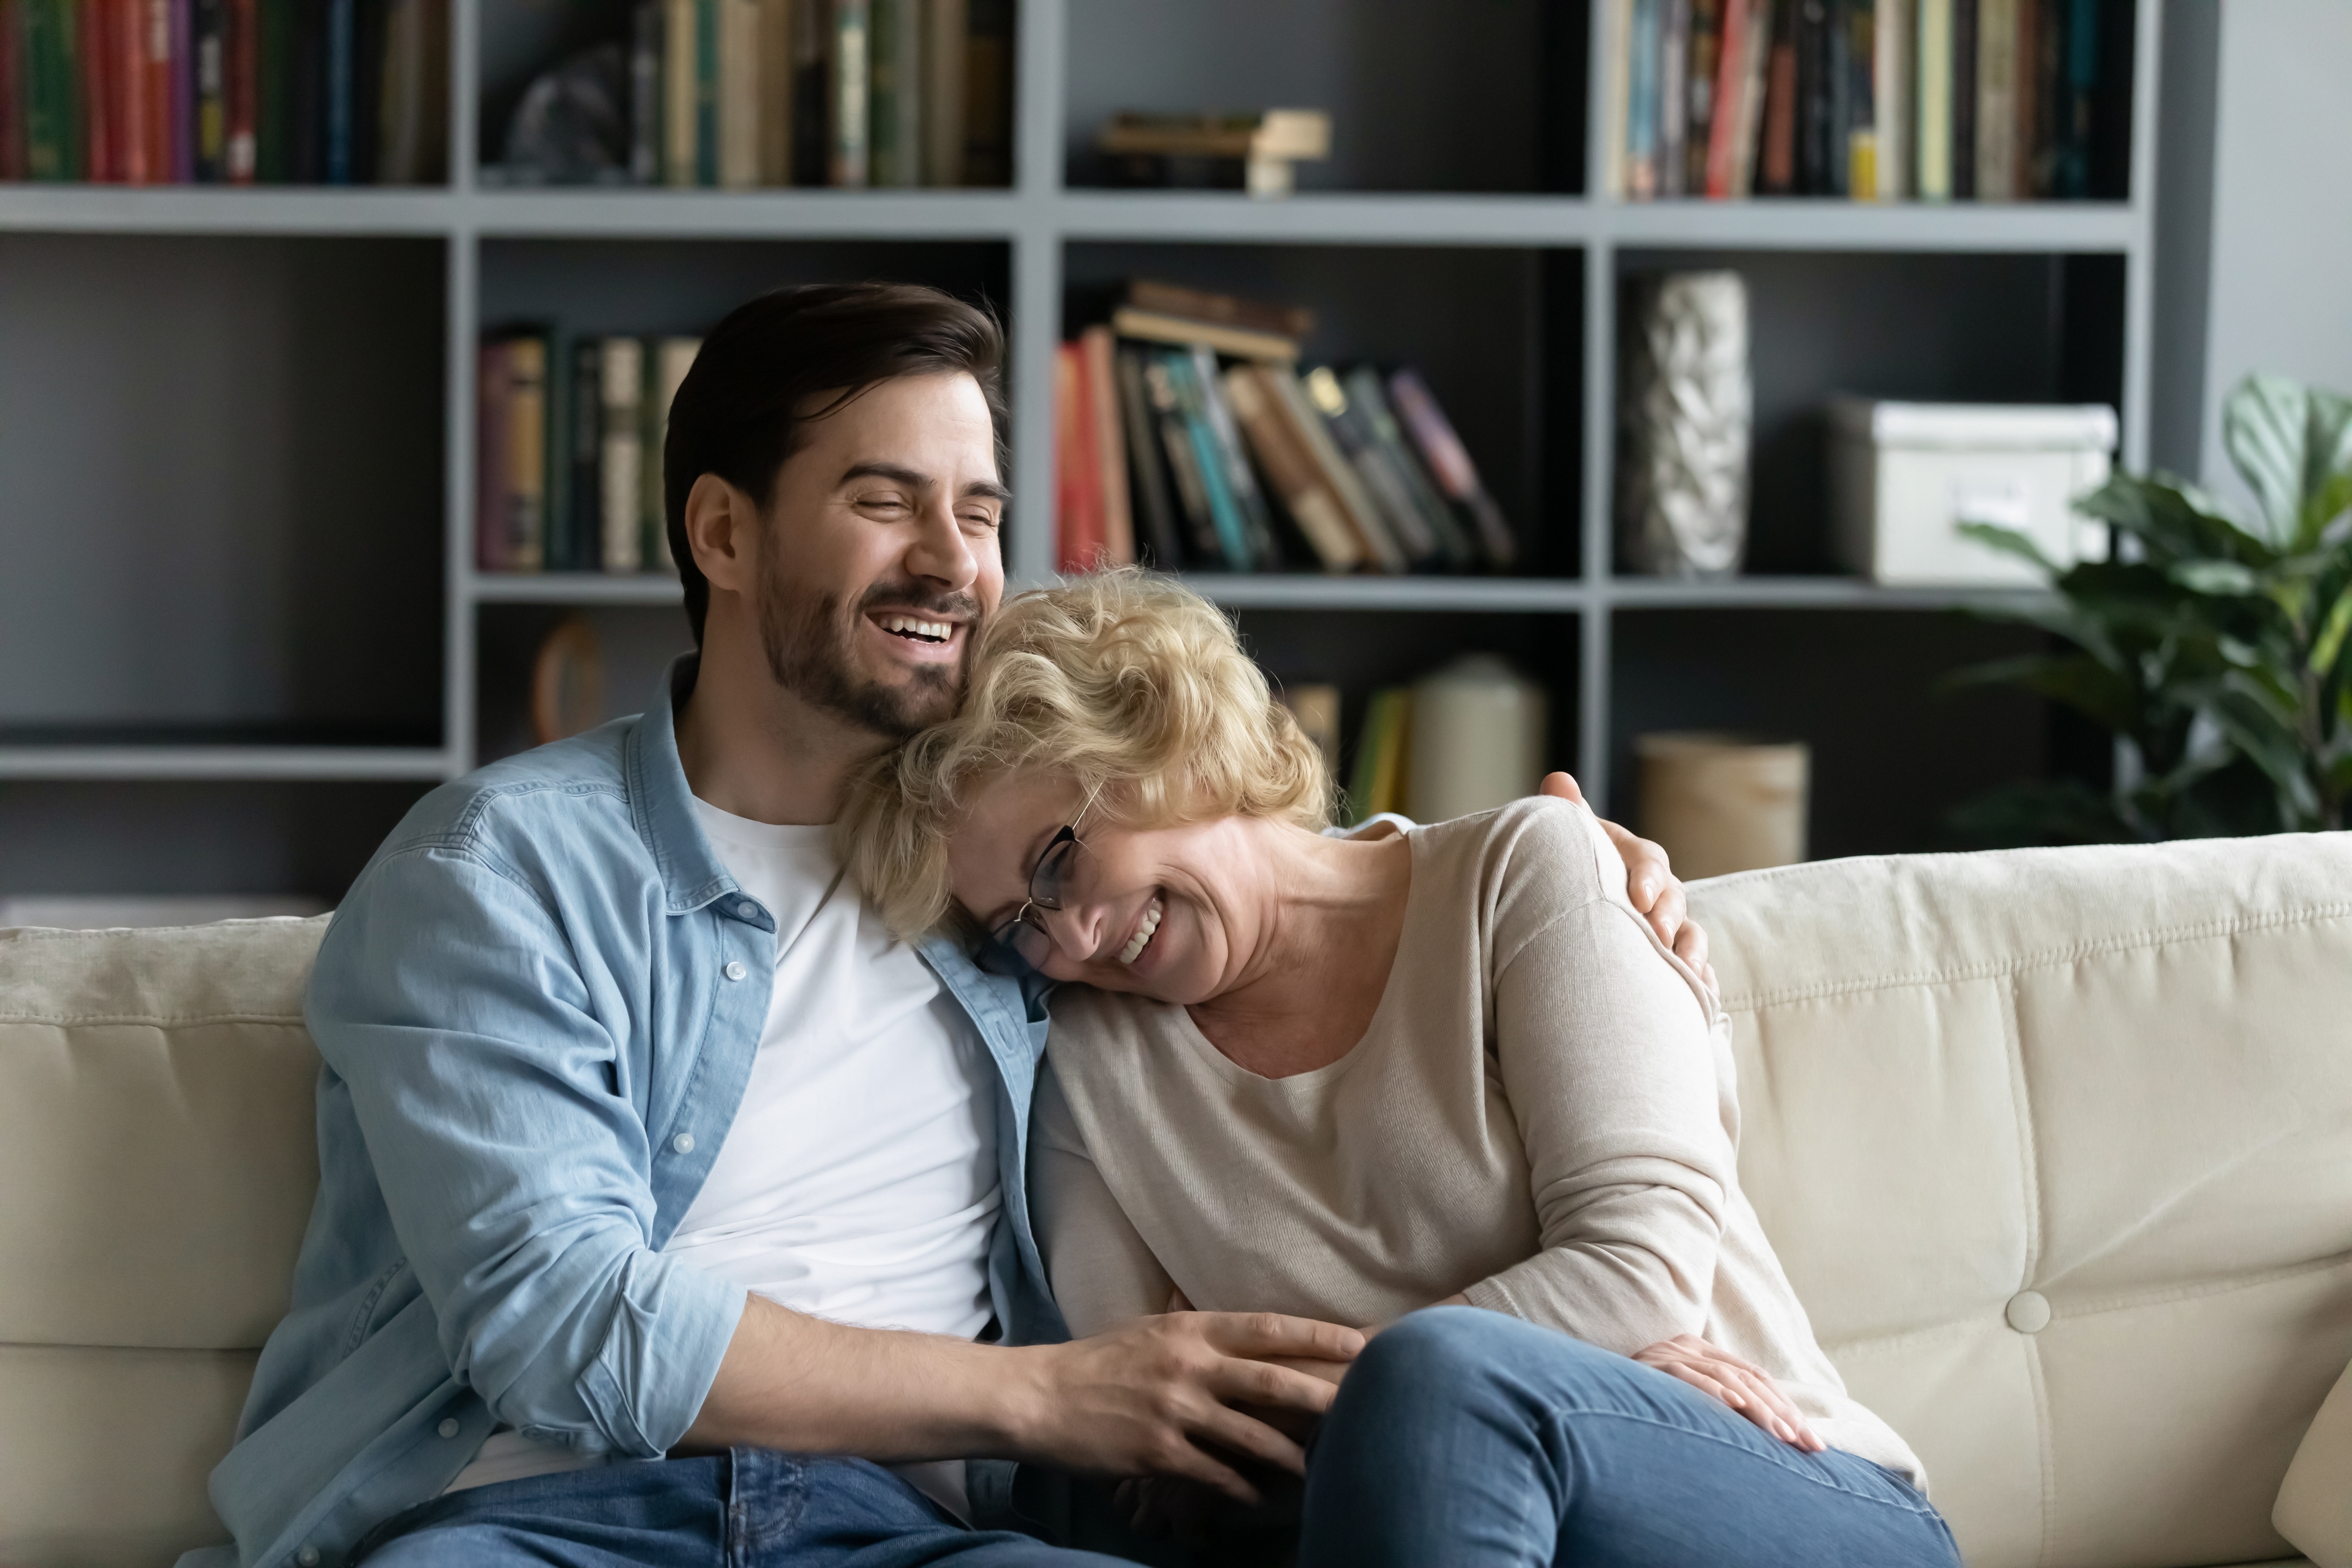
(2216,645)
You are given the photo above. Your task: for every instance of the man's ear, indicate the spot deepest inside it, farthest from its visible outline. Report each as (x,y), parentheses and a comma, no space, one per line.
(722,530)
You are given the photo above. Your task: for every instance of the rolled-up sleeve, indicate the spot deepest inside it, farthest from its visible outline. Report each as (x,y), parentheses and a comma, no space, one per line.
(514,1163)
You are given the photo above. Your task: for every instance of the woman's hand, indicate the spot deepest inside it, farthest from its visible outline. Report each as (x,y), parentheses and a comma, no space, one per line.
(1650,883)
(1742,1385)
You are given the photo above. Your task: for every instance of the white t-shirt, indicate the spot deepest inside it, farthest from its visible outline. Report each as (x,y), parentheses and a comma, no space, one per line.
(858,1181)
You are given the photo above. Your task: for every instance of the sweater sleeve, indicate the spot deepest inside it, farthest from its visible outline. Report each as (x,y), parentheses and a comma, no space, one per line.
(1606,1052)
(1102,1272)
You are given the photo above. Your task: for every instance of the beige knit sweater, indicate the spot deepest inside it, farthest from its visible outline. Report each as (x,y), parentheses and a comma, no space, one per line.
(1542,1114)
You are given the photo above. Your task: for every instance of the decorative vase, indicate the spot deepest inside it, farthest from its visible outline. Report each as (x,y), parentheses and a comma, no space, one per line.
(1683,424)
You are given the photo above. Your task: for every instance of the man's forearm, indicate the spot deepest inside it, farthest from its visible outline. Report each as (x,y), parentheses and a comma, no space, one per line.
(801,1383)
(1163,1395)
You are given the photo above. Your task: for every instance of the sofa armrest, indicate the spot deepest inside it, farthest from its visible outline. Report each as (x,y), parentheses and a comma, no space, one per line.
(2314,1509)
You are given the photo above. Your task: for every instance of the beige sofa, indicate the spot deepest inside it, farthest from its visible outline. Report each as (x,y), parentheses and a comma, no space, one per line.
(2056,1145)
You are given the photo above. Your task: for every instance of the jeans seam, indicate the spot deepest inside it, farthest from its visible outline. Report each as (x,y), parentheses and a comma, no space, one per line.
(1560,1412)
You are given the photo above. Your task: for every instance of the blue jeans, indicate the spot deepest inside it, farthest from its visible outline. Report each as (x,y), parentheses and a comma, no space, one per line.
(1469,1438)
(753,1508)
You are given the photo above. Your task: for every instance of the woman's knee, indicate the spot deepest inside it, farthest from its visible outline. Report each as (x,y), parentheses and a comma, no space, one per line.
(1449,1354)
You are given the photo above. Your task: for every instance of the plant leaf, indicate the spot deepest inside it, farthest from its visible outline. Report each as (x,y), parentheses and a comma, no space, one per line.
(2010,541)
(2221,578)
(2328,646)
(2255,729)
(2267,429)
(2078,680)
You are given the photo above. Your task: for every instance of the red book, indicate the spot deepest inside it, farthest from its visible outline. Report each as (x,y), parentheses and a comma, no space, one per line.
(127,91)
(1731,100)
(94,45)
(1078,509)
(12,93)
(241,68)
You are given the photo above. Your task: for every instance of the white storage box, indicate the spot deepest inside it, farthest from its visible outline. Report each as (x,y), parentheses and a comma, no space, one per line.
(1904,476)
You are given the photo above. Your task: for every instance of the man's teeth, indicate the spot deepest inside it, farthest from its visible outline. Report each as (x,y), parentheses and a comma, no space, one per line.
(1142,937)
(909,626)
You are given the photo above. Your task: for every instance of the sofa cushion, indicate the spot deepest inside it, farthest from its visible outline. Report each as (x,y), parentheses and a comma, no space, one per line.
(2315,1502)
(157,1164)
(2057,1148)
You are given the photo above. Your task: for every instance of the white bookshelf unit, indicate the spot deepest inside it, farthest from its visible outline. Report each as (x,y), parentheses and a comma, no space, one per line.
(2027,300)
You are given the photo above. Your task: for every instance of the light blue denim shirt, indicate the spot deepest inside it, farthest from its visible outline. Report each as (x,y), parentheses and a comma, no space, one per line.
(538,1010)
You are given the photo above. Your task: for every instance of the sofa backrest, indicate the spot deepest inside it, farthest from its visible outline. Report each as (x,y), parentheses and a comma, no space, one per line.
(2056,1145)
(157,1164)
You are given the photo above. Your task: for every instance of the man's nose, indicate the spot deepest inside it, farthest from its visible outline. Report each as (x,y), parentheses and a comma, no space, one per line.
(940,551)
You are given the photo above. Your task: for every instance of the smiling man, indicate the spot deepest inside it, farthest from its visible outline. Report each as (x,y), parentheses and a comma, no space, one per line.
(670,1211)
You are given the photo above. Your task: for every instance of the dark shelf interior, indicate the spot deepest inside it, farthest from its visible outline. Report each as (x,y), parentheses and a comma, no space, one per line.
(221,484)
(76,836)
(1484,95)
(1892,751)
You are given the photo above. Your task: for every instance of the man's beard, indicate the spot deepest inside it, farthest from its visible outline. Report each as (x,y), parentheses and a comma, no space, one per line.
(809,641)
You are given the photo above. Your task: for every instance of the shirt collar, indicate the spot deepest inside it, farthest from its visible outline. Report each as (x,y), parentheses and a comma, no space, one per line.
(663,803)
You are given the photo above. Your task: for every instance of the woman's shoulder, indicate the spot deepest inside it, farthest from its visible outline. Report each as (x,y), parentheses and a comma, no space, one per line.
(1098,1036)
(1537,846)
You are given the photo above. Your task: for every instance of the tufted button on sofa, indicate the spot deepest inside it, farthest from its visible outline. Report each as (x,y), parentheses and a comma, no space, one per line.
(2056,1146)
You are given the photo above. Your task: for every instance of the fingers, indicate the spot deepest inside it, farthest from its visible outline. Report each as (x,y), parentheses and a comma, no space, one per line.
(1246,1434)
(1268,1334)
(1690,946)
(1668,912)
(1707,1386)
(1562,787)
(1247,1381)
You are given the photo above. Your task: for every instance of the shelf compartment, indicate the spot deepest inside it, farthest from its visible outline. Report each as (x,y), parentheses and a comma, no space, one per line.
(233,835)
(1422,98)
(635,642)
(221,489)
(1486,328)
(1891,752)
(2029,327)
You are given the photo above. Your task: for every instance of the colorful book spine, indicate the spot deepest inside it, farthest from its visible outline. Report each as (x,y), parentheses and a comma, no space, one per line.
(1078,514)
(1241,479)
(946,30)
(776,92)
(851,77)
(1110,446)
(1642,102)
(1996,118)
(621,534)
(343,68)
(241,71)
(673,358)
(211,46)
(53,139)
(12,90)
(739,86)
(1891,85)
(1292,469)
(1449,464)
(707,46)
(1201,547)
(1933,79)
(1159,544)
(1209,461)
(678,56)
(645,93)
(1728,108)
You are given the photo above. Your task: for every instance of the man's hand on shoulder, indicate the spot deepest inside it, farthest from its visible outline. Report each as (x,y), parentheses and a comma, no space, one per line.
(1656,892)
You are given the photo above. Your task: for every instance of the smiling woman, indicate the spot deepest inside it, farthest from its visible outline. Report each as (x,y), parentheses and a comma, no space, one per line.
(1350,1078)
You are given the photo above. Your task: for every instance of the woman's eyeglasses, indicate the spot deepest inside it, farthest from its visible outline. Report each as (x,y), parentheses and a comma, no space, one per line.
(1020,945)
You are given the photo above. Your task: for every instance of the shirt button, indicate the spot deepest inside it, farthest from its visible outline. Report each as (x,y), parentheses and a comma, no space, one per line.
(307,1557)
(683,1143)
(735,969)
(448,1427)
(747,909)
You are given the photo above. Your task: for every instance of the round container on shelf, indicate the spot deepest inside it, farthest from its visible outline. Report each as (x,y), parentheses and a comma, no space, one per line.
(1477,738)
(1720,803)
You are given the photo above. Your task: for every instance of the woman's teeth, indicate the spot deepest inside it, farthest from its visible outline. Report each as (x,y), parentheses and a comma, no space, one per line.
(1142,937)
(907,626)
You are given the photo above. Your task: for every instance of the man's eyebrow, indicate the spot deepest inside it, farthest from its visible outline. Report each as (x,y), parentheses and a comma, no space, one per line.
(898,472)
(986,490)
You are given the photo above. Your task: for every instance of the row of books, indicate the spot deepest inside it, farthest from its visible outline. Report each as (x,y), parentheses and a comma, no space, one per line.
(1167,453)
(568,450)
(744,93)
(156,92)
(1990,100)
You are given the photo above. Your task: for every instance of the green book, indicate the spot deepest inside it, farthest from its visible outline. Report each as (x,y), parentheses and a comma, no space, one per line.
(706,92)
(273,163)
(53,149)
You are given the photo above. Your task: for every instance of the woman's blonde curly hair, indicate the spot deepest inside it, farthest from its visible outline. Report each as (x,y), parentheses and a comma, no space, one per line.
(1125,680)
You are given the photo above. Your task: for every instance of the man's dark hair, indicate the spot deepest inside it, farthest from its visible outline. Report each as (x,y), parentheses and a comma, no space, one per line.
(745,406)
